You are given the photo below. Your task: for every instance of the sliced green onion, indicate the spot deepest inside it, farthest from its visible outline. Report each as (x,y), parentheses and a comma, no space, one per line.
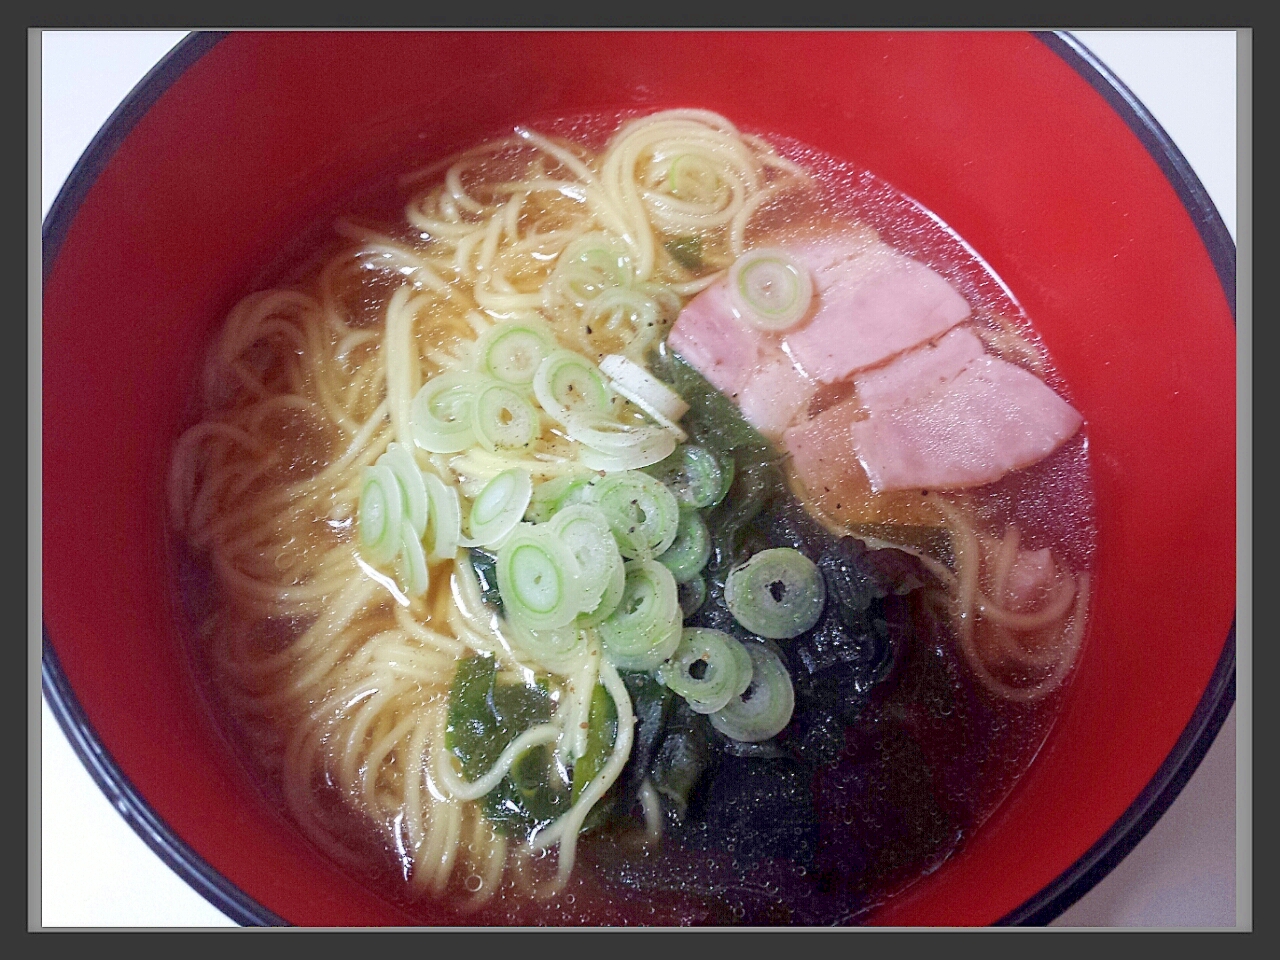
(771,289)
(778,593)
(644,389)
(444,525)
(538,578)
(690,550)
(557,649)
(695,178)
(764,709)
(381,512)
(551,496)
(412,566)
(692,595)
(644,629)
(613,437)
(746,667)
(694,475)
(641,511)
(592,264)
(567,384)
(614,588)
(502,418)
(499,507)
(402,464)
(513,350)
(645,453)
(585,530)
(631,314)
(441,414)
(709,668)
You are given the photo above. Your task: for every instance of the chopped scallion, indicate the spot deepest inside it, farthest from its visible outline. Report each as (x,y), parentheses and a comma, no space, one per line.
(538,577)
(771,289)
(764,708)
(709,668)
(777,593)
(644,629)
(499,507)
(441,413)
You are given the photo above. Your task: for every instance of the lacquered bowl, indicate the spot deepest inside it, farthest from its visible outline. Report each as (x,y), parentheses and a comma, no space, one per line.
(1070,192)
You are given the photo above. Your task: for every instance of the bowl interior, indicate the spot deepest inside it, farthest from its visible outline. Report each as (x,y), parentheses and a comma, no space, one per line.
(168,221)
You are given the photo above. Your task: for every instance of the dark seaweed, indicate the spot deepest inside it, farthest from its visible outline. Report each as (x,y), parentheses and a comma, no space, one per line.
(760,808)
(651,701)
(753,808)
(686,750)
(485,565)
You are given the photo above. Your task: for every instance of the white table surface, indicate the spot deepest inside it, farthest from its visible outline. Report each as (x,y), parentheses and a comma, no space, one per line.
(1183,874)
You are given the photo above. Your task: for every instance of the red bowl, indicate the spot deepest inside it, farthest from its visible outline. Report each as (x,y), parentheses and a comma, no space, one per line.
(1018,141)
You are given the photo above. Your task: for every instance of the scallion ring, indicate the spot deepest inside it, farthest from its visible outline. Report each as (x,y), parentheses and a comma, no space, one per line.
(615,586)
(503,419)
(380,513)
(444,526)
(645,453)
(400,460)
(709,668)
(771,289)
(585,530)
(499,507)
(641,511)
(513,350)
(567,384)
(552,496)
(558,649)
(412,565)
(644,629)
(690,550)
(764,709)
(694,475)
(441,413)
(694,178)
(777,593)
(592,264)
(612,437)
(538,578)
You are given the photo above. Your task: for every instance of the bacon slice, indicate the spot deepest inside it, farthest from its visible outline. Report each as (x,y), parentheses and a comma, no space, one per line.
(872,302)
(709,336)
(918,372)
(990,419)
(775,395)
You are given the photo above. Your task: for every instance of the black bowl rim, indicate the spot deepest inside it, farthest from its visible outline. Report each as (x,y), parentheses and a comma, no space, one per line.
(1046,905)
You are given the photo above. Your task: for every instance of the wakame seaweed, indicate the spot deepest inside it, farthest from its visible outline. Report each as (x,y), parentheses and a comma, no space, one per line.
(485,565)
(485,715)
(685,752)
(602,731)
(686,251)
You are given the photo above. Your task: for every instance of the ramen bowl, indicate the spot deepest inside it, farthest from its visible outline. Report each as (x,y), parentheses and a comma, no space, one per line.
(1015,141)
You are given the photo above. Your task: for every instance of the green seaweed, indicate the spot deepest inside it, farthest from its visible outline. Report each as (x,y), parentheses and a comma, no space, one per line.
(485,714)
